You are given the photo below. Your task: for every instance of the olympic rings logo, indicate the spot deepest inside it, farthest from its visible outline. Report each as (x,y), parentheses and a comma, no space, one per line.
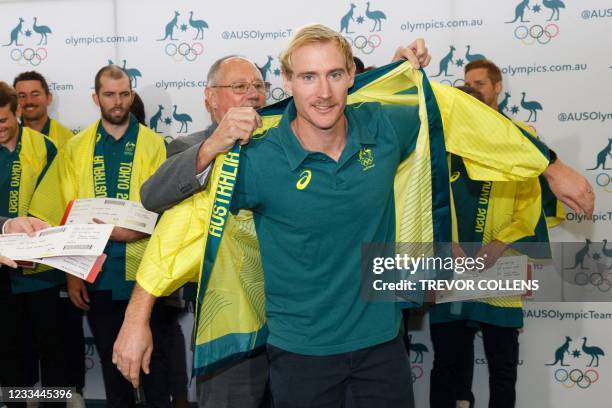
(366,45)
(455,83)
(417,372)
(277,94)
(604,181)
(596,279)
(184,51)
(29,56)
(543,35)
(576,377)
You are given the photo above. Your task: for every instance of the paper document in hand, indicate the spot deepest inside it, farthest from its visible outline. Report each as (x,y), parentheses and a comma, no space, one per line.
(83,267)
(122,213)
(68,240)
(508,277)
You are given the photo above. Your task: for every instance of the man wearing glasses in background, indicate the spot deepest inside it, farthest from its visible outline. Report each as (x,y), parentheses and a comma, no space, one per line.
(234,89)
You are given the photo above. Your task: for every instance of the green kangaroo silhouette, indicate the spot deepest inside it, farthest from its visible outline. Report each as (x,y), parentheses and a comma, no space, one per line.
(15,34)
(602,155)
(348,17)
(170,27)
(560,353)
(580,255)
(519,12)
(444,62)
(155,119)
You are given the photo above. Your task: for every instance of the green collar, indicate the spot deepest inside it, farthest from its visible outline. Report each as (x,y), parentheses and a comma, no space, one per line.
(362,134)
(130,132)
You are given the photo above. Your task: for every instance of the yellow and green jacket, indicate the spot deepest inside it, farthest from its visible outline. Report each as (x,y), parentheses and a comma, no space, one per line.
(224,256)
(36,153)
(58,133)
(71,177)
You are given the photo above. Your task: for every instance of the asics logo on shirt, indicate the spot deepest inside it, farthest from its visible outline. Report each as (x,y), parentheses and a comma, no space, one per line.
(304,180)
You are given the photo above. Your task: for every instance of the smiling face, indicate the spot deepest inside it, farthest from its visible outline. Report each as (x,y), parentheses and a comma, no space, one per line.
(114,98)
(9,126)
(319,83)
(33,100)
(233,71)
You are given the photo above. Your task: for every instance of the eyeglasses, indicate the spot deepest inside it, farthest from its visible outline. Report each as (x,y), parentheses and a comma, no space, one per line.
(241,88)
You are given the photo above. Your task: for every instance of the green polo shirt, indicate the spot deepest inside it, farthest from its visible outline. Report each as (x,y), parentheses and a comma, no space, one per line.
(21,283)
(112,276)
(312,215)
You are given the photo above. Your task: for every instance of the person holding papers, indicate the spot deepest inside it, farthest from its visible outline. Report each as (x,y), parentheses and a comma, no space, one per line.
(26,225)
(495,215)
(111,158)
(25,299)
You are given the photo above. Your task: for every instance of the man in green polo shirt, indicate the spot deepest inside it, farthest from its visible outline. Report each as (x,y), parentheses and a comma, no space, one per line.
(29,304)
(110,158)
(35,98)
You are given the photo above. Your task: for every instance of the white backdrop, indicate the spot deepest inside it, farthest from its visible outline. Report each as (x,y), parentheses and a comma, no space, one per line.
(559,57)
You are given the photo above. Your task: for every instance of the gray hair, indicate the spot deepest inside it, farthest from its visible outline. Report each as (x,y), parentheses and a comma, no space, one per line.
(213,72)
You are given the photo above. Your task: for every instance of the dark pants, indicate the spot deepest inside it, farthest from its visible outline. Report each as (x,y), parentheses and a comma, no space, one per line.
(105,317)
(74,344)
(239,385)
(173,349)
(35,314)
(378,376)
(453,366)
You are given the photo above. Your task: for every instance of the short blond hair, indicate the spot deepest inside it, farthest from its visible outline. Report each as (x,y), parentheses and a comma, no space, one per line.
(315,33)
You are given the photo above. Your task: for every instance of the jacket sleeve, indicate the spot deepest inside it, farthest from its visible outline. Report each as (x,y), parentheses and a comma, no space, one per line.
(495,149)
(175,180)
(526,212)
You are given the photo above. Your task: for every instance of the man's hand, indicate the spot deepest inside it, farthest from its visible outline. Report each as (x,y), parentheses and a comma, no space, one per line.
(27,225)
(415,52)
(571,188)
(132,350)
(134,344)
(491,253)
(121,234)
(237,125)
(77,292)
(8,262)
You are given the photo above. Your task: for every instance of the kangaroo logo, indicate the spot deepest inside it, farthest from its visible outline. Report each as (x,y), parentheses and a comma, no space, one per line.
(163,125)
(598,276)
(577,376)
(154,121)
(450,63)
(33,53)
(303,180)
(179,45)
(15,34)
(271,72)
(561,352)
(367,42)
(169,30)
(536,33)
(602,156)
